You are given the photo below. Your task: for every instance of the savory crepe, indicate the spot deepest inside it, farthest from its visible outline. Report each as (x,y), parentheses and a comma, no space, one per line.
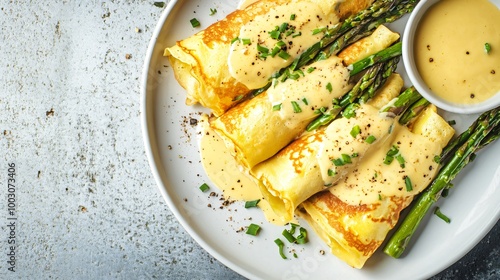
(355,215)
(306,166)
(210,64)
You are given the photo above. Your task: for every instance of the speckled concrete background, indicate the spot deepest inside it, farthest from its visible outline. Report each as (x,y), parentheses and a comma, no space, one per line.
(87,206)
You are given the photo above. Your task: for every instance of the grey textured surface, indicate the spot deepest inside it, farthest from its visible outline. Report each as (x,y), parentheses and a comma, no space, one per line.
(87,206)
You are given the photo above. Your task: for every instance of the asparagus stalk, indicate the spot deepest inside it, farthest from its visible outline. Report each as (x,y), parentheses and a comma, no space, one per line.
(405,99)
(383,55)
(482,132)
(414,110)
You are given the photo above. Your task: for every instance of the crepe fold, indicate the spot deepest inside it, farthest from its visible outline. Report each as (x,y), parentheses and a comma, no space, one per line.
(306,166)
(355,215)
(200,62)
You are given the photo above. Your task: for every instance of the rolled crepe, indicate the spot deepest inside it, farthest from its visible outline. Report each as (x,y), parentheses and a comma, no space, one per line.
(201,61)
(306,166)
(258,128)
(355,215)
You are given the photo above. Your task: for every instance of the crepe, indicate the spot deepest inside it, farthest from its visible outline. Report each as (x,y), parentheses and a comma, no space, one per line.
(305,166)
(355,215)
(200,62)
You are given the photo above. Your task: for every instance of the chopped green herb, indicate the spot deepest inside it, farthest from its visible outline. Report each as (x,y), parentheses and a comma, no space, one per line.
(297,34)
(311,69)
(305,101)
(379,197)
(292,17)
(350,110)
(302,238)
(281,245)
(409,185)
(338,162)
(289,236)
(204,187)
(296,107)
(389,157)
(318,30)
(452,122)
(487,48)
(295,255)
(321,110)
(331,172)
(262,49)
(277,107)
(194,22)
(213,11)
(437,159)
(159,4)
(234,40)
(355,131)
(329,87)
(275,34)
(252,203)
(353,155)
(400,160)
(438,213)
(445,192)
(346,158)
(283,27)
(370,139)
(253,229)
(246,41)
(293,227)
(283,54)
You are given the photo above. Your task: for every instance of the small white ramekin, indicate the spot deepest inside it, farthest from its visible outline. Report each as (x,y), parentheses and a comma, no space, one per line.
(416,79)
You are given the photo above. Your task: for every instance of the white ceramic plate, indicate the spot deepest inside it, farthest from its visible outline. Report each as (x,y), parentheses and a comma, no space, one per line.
(171,145)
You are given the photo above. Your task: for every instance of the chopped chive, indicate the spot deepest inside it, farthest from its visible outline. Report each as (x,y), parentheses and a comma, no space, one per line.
(204,187)
(310,69)
(234,40)
(305,101)
(302,238)
(346,158)
(409,185)
(213,11)
(277,107)
(289,236)
(159,4)
(388,159)
(443,217)
(280,44)
(251,203)
(452,122)
(437,159)
(283,27)
(246,41)
(292,17)
(329,87)
(194,22)
(283,55)
(296,107)
(262,49)
(487,48)
(445,192)
(331,172)
(350,110)
(281,245)
(400,160)
(338,162)
(370,139)
(355,131)
(295,255)
(379,197)
(321,110)
(275,34)
(297,34)
(293,227)
(253,229)
(353,155)
(275,51)
(318,30)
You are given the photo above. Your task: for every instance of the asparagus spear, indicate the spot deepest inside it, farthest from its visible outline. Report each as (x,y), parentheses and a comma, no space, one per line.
(481,133)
